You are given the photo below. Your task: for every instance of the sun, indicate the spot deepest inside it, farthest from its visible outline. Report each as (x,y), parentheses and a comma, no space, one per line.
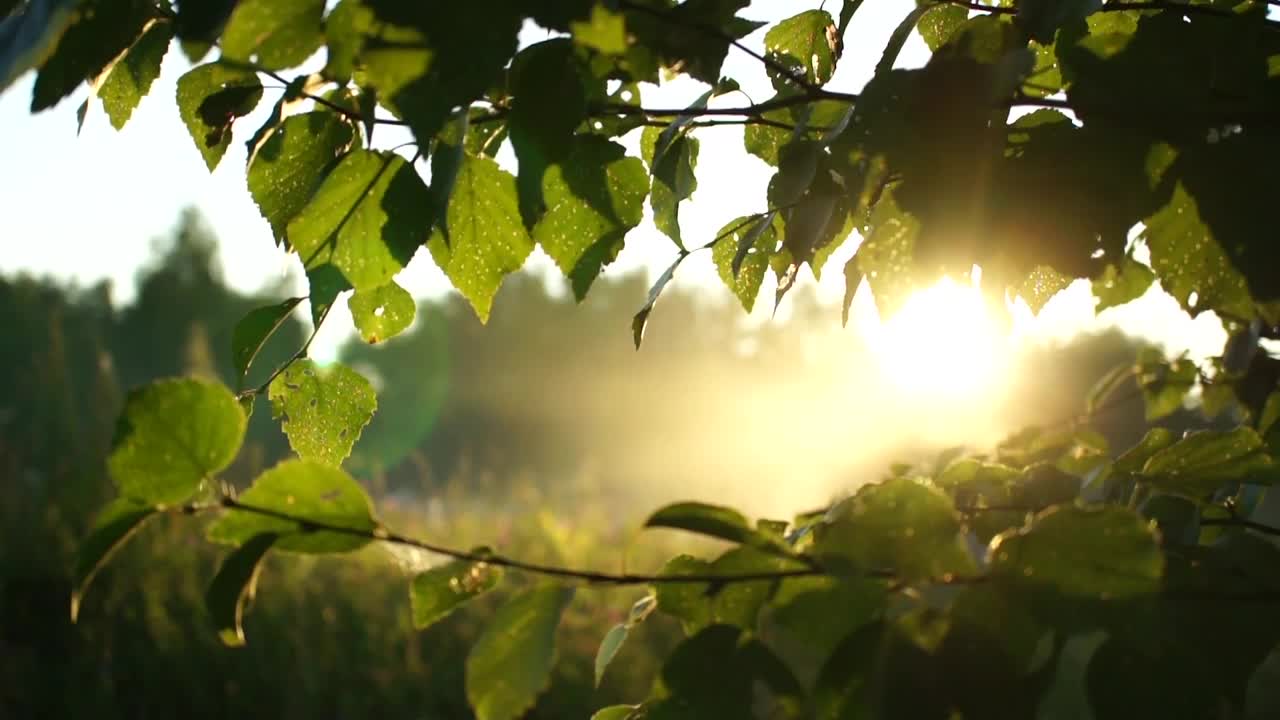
(943,341)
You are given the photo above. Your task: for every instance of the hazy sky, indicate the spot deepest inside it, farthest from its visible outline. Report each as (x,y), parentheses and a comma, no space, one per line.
(89,207)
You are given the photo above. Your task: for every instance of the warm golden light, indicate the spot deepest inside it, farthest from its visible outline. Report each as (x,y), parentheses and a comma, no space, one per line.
(943,341)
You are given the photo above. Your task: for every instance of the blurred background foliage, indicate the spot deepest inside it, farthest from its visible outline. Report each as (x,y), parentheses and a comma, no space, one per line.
(543,433)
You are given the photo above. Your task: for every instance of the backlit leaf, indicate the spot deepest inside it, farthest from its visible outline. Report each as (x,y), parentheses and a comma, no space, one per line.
(130,78)
(286,169)
(749,246)
(609,648)
(673,178)
(100,30)
(322,410)
(487,238)
(382,312)
(210,99)
(367,219)
(593,198)
(715,521)
(806,45)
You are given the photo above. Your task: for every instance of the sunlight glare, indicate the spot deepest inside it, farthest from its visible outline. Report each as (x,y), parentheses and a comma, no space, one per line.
(943,341)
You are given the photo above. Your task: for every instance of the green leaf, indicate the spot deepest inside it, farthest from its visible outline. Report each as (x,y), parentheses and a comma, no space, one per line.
(100,31)
(322,410)
(686,601)
(940,21)
(898,525)
(511,663)
(1189,262)
(171,436)
(1136,457)
(715,521)
(1200,463)
(276,34)
(1107,553)
(253,331)
(291,163)
(298,499)
(383,312)
(27,38)
(210,99)
(806,45)
(673,178)
(233,588)
(605,31)
(487,238)
(367,219)
(439,591)
(742,256)
(130,78)
(593,199)
(115,524)
(609,647)
(1117,286)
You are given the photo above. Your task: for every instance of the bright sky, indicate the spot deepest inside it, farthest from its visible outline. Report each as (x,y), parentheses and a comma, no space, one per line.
(89,207)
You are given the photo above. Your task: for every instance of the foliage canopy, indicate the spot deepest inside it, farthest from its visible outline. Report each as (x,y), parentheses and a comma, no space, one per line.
(967,578)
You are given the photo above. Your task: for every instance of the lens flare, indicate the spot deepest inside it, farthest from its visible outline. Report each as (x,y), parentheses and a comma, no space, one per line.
(943,342)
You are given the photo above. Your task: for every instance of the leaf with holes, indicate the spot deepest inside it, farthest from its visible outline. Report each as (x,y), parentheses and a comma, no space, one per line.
(291,500)
(742,255)
(322,410)
(593,199)
(383,312)
(210,99)
(805,45)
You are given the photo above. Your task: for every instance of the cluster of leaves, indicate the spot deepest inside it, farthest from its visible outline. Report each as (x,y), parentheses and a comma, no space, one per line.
(969,576)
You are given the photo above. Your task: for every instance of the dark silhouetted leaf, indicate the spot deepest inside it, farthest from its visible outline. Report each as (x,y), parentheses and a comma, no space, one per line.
(115,524)
(253,331)
(233,588)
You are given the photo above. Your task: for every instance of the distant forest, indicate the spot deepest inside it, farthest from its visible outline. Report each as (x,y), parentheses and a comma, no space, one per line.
(456,397)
